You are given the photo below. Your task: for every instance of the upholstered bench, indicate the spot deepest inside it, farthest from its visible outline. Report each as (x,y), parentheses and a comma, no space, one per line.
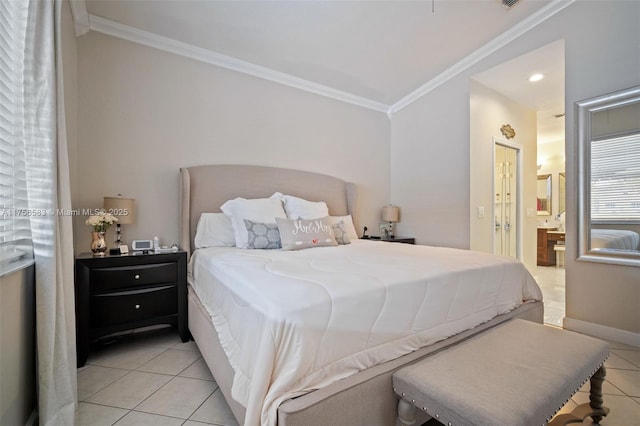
(517,373)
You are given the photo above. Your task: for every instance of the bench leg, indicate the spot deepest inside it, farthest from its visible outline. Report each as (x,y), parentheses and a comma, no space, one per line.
(595,395)
(406,413)
(593,409)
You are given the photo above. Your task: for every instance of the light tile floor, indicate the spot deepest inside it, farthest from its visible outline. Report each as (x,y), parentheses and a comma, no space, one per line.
(551,280)
(152,378)
(149,378)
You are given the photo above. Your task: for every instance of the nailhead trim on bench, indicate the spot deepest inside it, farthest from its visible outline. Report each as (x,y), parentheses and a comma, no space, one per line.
(437,416)
(412,401)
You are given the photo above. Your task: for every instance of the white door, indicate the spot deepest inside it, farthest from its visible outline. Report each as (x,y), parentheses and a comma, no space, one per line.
(506,203)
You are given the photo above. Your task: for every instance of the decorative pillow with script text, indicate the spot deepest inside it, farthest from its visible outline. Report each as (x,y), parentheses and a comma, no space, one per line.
(296,234)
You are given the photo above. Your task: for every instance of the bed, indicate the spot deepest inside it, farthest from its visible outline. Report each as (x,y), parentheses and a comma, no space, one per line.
(335,386)
(617,239)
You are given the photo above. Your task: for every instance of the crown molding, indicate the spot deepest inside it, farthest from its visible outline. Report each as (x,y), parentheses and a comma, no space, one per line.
(125,32)
(492,46)
(80,16)
(83,22)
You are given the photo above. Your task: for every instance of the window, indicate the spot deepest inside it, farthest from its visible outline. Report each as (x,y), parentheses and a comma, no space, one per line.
(15,227)
(615,179)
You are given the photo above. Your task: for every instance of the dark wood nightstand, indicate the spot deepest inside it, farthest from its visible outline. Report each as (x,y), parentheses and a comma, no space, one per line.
(393,240)
(123,292)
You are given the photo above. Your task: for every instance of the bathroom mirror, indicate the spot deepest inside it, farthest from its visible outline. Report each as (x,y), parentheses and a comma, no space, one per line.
(544,195)
(609,178)
(562,197)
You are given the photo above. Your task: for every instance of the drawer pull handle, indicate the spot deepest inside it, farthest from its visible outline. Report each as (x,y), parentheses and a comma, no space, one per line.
(137,276)
(137,306)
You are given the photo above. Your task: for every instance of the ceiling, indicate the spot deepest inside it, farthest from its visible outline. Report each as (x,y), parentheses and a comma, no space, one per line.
(382,51)
(545,96)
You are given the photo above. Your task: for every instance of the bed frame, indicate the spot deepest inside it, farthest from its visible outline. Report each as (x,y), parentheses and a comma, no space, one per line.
(365,398)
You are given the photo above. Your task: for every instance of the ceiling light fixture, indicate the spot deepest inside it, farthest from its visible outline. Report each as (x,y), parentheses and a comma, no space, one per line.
(536,77)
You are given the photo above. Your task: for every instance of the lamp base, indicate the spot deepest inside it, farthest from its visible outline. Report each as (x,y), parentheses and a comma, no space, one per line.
(386,230)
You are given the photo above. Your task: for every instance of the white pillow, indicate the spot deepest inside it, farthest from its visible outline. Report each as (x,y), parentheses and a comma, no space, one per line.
(263,210)
(298,208)
(214,230)
(349,228)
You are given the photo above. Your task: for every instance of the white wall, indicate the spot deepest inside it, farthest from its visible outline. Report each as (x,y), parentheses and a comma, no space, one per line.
(601,57)
(430,166)
(489,110)
(144,113)
(430,153)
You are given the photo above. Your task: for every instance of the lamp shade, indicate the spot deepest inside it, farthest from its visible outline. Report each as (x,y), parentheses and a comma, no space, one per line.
(390,213)
(122,208)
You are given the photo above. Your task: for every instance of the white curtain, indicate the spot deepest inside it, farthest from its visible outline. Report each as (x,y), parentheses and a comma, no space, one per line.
(49,191)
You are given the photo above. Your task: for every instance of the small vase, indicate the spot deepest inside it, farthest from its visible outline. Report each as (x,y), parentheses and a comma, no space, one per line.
(98,244)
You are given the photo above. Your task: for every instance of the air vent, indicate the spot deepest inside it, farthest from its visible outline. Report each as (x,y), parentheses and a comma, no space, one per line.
(508,3)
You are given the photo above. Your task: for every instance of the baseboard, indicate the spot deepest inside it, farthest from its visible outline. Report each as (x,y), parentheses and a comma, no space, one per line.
(602,331)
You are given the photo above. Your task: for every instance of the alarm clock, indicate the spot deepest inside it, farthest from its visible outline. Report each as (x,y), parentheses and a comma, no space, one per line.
(142,245)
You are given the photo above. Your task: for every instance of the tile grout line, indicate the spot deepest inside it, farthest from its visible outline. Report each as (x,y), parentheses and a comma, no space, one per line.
(622,356)
(109,384)
(205,400)
(108,406)
(157,390)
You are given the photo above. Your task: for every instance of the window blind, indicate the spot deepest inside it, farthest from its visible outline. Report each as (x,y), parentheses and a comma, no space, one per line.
(15,233)
(615,179)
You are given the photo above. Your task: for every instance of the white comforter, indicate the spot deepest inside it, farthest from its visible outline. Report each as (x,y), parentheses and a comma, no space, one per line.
(291,322)
(619,239)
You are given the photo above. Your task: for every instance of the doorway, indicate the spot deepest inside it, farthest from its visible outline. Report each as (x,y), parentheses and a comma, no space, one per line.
(508,93)
(506,190)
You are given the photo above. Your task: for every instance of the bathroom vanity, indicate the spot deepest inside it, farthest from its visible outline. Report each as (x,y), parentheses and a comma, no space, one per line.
(548,237)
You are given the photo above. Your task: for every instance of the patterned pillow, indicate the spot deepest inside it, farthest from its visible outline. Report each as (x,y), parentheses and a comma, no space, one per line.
(262,235)
(299,234)
(262,210)
(340,233)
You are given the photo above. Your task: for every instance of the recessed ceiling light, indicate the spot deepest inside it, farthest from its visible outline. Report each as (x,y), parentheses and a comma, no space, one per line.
(536,77)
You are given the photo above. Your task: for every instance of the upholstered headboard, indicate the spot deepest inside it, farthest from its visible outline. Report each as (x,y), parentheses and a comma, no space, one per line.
(206,188)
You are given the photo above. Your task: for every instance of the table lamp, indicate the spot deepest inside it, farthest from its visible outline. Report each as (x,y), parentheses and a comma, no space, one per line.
(124,209)
(390,214)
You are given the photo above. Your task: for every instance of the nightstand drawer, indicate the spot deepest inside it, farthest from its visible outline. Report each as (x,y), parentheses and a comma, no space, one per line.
(104,279)
(110,309)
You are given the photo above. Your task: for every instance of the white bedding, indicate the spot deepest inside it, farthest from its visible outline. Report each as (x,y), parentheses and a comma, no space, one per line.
(291,322)
(619,239)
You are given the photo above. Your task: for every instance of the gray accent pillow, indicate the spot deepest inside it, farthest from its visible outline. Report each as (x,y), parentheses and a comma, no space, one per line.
(340,233)
(300,234)
(262,235)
